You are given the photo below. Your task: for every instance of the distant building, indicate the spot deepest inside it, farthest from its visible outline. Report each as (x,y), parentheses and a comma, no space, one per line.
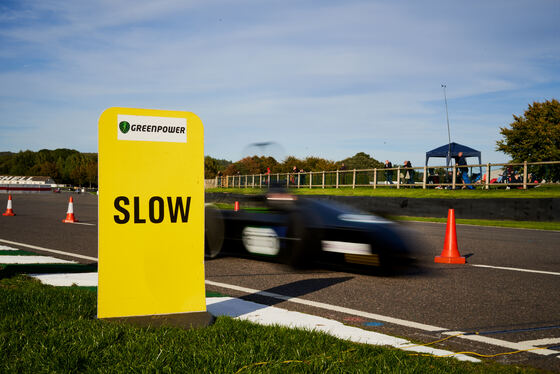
(17,184)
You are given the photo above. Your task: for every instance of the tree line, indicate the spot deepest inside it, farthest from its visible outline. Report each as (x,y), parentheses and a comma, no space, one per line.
(64,166)
(68,166)
(263,164)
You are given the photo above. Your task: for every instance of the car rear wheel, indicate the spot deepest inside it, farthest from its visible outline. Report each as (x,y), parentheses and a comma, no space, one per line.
(213,231)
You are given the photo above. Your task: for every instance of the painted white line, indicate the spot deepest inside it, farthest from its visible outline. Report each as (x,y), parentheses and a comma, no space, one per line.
(79,279)
(269,315)
(517,269)
(378,317)
(334,308)
(49,250)
(502,343)
(32,260)
(4,248)
(537,342)
(82,223)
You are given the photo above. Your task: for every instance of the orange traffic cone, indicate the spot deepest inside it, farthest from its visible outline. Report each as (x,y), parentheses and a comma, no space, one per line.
(70,213)
(450,253)
(236,206)
(9,211)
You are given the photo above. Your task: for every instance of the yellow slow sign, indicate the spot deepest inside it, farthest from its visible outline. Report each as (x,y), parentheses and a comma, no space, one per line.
(151,213)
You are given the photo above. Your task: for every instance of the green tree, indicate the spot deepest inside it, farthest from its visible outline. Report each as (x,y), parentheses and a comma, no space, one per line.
(361,160)
(211,167)
(23,162)
(535,136)
(318,164)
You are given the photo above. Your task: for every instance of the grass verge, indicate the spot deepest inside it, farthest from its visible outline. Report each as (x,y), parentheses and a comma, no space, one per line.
(54,329)
(555,226)
(535,225)
(548,191)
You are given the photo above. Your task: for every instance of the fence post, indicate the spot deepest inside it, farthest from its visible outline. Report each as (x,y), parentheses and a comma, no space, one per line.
(298,175)
(278,178)
(323,179)
(374,178)
(425,176)
(488,176)
(287,180)
(525,174)
(354,179)
(310,180)
(398,177)
(454,179)
(336,178)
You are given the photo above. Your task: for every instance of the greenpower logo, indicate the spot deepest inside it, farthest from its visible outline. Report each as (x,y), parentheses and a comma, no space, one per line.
(124,127)
(151,128)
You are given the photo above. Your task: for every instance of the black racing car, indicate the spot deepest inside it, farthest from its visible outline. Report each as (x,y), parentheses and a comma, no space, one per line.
(301,231)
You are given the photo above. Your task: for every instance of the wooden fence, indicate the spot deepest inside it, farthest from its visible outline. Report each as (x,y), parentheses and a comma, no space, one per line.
(496,175)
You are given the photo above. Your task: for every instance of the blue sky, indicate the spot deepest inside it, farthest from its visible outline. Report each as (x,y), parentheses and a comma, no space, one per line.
(319,78)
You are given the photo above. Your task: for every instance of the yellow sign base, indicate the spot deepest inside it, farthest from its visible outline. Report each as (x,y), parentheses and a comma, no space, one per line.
(181,320)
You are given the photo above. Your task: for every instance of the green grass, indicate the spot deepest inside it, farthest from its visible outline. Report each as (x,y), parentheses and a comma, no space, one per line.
(484,222)
(477,222)
(17,253)
(549,191)
(49,329)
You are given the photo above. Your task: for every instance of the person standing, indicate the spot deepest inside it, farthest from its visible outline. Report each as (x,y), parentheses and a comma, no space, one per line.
(268,176)
(409,173)
(463,170)
(294,175)
(389,172)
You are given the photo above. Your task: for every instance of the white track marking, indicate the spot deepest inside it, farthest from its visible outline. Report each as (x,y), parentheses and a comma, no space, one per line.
(82,223)
(517,269)
(32,260)
(4,248)
(49,250)
(545,341)
(378,317)
(79,279)
(333,308)
(269,315)
(502,343)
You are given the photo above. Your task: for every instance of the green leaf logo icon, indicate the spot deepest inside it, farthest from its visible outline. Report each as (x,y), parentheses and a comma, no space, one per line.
(124,127)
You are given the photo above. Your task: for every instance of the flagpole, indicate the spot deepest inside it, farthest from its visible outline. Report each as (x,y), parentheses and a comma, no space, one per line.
(448,132)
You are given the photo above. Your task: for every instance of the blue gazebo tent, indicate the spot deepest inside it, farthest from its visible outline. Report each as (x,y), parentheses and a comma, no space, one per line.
(449,151)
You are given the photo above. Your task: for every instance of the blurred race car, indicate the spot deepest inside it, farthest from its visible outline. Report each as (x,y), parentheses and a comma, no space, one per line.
(302,231)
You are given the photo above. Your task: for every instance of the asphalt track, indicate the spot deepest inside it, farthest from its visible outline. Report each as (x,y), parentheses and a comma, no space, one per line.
(513,304)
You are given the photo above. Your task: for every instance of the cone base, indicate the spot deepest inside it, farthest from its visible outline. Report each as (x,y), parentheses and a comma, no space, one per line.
(450,260)
(8,213)
(69,219)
